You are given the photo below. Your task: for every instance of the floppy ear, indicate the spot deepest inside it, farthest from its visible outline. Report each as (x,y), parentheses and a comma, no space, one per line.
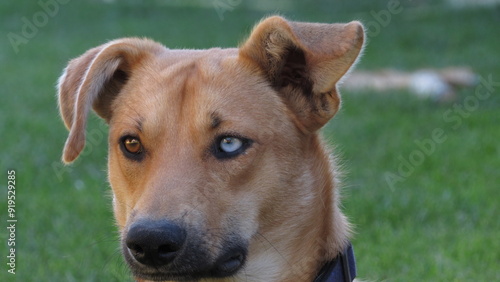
(304,62)
(95,79)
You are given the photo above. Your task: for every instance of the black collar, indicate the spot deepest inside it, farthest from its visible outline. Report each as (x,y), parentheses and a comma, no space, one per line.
(342,268)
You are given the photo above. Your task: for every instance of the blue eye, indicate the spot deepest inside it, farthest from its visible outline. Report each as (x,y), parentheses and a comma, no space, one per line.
(229,146)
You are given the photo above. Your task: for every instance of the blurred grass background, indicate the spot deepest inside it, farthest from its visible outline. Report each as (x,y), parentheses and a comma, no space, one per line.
(441,223)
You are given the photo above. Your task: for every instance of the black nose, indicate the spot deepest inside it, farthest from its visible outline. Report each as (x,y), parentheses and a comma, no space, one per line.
(155,243)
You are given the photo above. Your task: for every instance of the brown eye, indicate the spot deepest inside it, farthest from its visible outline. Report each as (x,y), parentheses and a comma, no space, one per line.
(132,145)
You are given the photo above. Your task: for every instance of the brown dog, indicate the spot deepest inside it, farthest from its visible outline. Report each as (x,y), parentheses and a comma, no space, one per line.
(215,161)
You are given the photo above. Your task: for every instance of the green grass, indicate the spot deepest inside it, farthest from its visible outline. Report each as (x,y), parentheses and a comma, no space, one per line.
(438,224)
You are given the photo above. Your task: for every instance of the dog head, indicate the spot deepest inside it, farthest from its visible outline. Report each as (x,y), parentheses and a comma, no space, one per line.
(207,147)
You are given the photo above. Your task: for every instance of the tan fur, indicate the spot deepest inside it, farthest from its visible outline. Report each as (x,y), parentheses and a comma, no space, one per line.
(278,89)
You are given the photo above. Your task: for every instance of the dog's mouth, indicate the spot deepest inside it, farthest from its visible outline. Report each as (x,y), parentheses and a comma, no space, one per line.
(163,250)
(227,265)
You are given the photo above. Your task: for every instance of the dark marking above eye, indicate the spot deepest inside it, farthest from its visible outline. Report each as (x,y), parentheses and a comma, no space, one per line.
(138,123)
(215,120)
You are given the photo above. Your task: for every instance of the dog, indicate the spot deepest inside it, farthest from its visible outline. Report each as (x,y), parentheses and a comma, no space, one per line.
(217,167)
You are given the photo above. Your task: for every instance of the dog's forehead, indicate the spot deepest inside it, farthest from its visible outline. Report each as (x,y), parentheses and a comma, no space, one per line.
(196,88)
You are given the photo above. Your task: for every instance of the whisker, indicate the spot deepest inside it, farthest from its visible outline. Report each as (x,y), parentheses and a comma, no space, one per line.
(274,247)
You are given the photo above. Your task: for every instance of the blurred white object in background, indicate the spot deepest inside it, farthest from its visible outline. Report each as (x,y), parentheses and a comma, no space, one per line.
(429,83)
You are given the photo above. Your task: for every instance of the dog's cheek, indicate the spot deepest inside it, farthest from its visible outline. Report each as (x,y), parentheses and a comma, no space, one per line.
(247,211)
(119,202)
(119,213)
(122,181)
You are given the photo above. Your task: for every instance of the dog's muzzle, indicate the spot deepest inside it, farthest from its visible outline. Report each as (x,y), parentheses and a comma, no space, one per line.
(162,249)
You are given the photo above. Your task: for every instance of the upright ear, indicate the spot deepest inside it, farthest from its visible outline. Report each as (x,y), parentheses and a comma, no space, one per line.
(95,79)
(304,62)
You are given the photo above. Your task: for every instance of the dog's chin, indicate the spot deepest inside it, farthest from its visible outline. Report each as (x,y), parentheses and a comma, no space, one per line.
(178,276)
(159,275)
(193,266)
(168,277)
